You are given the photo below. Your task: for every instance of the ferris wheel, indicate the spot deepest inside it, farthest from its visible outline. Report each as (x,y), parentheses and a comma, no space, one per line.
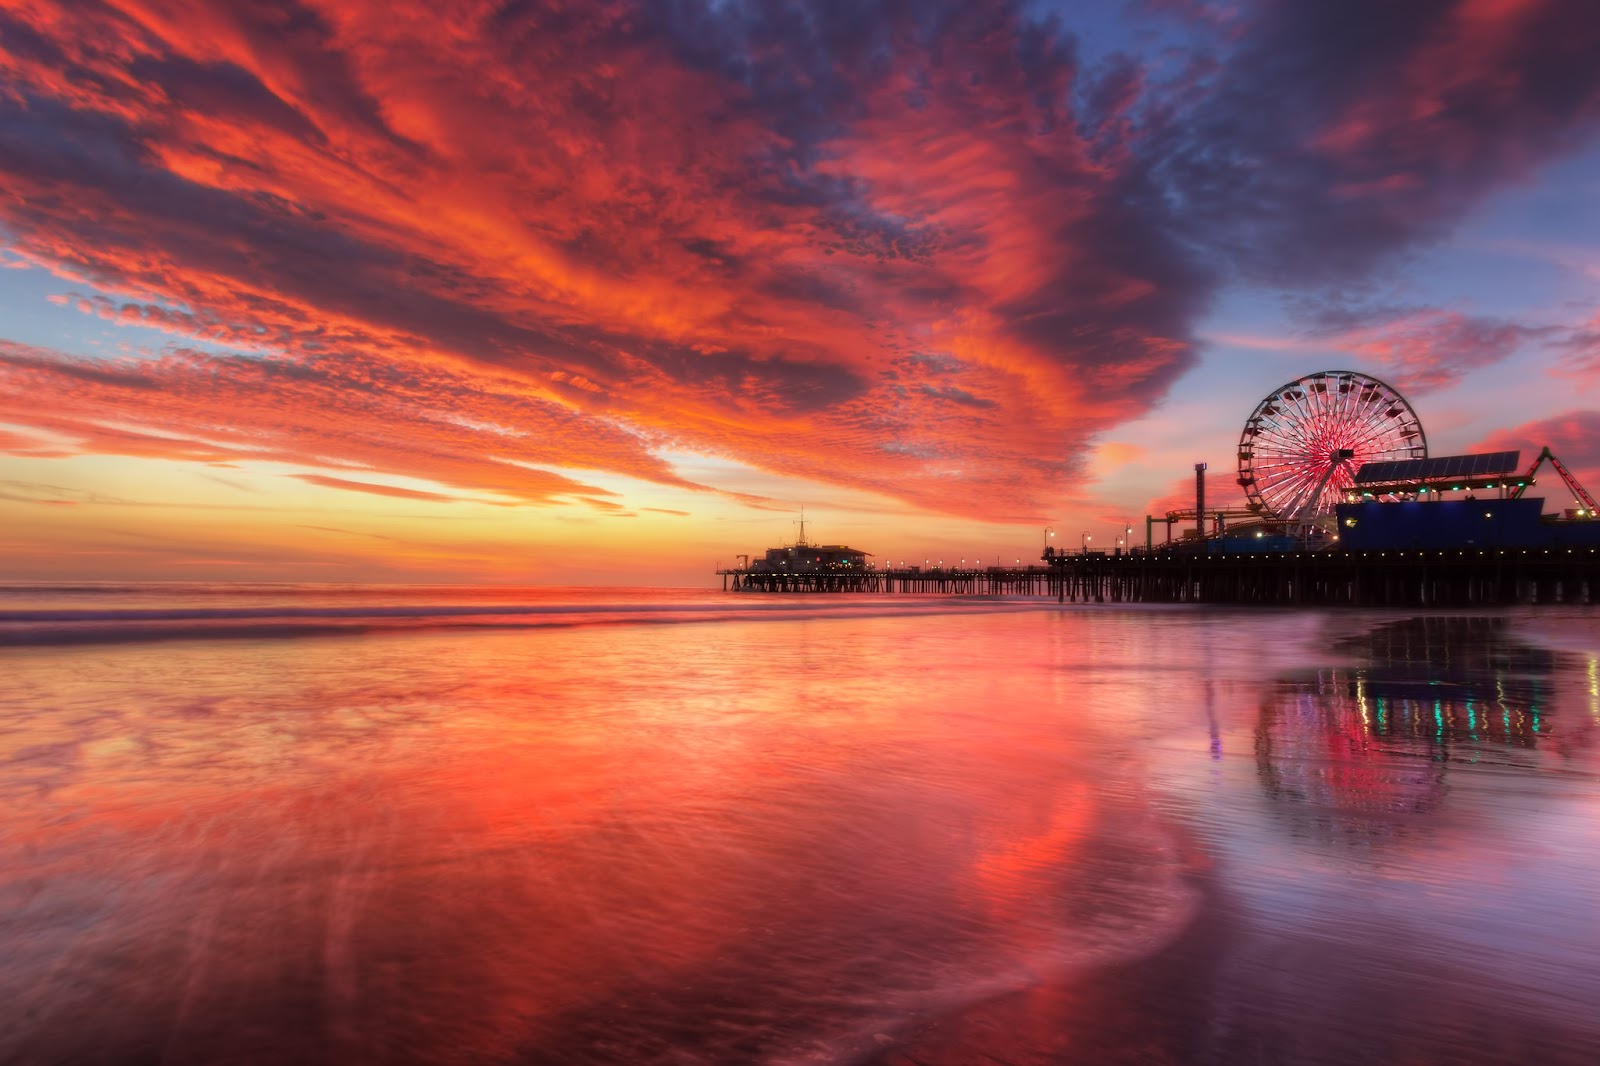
(1303,444)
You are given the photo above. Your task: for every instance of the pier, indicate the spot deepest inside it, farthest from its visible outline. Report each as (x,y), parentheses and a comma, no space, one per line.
(1419,578)
(986,581)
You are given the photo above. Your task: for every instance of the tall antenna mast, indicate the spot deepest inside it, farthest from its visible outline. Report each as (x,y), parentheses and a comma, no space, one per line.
(801,543)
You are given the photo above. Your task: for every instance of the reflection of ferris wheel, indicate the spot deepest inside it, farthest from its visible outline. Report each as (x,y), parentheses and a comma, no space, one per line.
(1303,444)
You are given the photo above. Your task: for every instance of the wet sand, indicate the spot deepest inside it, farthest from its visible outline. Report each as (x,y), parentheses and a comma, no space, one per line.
(1049,836)
(1220,995)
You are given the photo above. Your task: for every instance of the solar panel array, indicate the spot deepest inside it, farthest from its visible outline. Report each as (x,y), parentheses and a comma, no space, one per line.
(1443,467)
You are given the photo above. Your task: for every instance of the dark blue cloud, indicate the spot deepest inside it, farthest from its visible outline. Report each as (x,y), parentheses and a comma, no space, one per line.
(1337,133)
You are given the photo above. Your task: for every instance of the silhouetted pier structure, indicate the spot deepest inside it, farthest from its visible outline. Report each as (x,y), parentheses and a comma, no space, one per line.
(1417,578)
(985,581)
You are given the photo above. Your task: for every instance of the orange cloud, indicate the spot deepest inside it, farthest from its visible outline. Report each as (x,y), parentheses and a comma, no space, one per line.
(375,489)
(916,250)
(906,289)
(401,418)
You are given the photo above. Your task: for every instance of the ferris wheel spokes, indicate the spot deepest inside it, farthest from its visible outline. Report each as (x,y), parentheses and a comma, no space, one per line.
(1301,446)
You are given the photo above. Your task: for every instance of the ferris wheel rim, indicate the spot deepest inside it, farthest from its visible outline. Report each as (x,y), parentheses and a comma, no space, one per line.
(1299,449)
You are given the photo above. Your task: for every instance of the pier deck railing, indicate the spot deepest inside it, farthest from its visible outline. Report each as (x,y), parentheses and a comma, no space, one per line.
(1439,578)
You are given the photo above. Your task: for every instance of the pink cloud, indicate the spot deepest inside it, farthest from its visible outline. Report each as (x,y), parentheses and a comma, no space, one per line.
(1423,348)
(1574,438)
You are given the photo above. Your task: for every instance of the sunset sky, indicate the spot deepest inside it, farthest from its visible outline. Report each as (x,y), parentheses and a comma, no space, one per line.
(603,293)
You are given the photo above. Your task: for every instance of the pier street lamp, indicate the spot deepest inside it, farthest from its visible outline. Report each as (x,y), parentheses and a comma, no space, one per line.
(1086,540)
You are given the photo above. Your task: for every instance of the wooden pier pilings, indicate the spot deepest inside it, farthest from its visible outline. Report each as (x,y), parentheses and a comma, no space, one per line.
(1448,578)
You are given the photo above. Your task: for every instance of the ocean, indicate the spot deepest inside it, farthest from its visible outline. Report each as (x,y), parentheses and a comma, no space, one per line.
(411,824)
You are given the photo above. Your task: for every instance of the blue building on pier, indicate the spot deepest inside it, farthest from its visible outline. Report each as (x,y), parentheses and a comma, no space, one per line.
(1401,506)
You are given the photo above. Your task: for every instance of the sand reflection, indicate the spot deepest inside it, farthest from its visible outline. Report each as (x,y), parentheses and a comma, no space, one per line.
(618,845)
(1365,750)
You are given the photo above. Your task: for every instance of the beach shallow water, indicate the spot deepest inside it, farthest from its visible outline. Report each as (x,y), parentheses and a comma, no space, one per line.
(259,825)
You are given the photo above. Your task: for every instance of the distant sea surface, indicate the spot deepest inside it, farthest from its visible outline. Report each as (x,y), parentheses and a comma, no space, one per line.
(414,824)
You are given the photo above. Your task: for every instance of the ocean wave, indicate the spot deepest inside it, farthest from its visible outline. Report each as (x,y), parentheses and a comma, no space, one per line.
(47,626)
(139,614)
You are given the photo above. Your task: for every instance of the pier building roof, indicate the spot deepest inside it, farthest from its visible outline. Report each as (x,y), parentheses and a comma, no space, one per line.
(1444,472)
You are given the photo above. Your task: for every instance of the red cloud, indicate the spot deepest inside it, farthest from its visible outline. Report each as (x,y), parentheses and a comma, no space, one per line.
(905,248)
(898,281)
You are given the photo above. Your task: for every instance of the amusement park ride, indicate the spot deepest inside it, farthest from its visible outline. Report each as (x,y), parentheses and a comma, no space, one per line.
(1305,443)
(1586,506)
(1302,445)
(1343,506)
